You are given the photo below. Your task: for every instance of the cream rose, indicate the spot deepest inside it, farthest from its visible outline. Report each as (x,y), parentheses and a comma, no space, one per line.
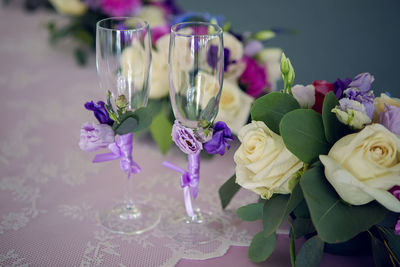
(159,86)
(69,7)
(379,103)
(363,166)
(263,163)
(271,58)
(234,106)
(154,15)
(236,53)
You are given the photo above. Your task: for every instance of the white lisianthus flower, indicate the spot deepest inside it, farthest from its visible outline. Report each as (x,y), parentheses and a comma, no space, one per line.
(363,166)
(69,7)
(352,113)
(234,106)
(271,59)
(154,15)
(305,95)
(159,86)
(263,164)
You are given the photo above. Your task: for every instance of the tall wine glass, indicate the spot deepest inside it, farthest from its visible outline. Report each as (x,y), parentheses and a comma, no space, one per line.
(196,70)
(123,59)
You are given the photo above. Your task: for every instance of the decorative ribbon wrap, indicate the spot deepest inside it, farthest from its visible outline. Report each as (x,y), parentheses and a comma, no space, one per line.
(121,149)
(189,180)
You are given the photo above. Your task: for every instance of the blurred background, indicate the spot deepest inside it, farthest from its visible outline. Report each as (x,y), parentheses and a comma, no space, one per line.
(334,39)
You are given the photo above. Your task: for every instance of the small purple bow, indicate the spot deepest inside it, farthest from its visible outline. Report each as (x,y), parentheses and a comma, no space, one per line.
(189,180)
(121,149)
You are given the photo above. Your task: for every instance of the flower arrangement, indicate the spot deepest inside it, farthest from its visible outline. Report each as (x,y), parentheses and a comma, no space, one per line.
(325,157)
(251,69)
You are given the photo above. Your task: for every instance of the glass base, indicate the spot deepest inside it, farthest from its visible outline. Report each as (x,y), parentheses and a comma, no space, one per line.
(129,219)
(202,228)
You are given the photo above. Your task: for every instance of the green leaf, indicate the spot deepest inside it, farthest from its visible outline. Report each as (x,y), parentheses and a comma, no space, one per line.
(335,220)
(334,129)
(302,227)
(292,248)
(227,191)
(80,57)
(310,253)
(251,212)
(160,130)
(302,131)
(302,210)
(278,208)
(262,246)
(393,241)
(133,121)
(84,36)
(272,107)
(380,253)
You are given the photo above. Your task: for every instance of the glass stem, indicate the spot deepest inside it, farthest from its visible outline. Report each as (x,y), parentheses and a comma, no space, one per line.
(128,191)
(194,172)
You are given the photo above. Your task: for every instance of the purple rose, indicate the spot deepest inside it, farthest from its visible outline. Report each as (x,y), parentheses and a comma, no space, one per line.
(100,112)
(120,7)
(219,141)
(95,136)
(390,118)
(185,139)
(254,77)
(362,82)
(339,86)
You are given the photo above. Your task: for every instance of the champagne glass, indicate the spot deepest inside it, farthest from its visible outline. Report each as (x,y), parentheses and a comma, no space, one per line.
(123,59)
(196,71)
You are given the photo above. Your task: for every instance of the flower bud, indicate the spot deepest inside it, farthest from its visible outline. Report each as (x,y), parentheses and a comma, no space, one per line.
(284,64)
(121,101)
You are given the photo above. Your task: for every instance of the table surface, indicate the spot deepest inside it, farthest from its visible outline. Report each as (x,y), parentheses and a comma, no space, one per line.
(51,193)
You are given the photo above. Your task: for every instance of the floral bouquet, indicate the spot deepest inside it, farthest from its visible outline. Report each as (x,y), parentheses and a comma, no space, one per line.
(250,69)
(326,158)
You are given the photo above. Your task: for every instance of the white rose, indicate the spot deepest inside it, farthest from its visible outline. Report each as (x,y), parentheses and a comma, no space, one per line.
(363,166)
(154,15)
(236,53)
(271,59)
(69,7)
(263,164)
(305,95)
(159,86)
(234,106)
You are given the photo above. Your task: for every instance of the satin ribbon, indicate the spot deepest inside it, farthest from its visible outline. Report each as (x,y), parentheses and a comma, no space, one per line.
(121,149)
(189,180)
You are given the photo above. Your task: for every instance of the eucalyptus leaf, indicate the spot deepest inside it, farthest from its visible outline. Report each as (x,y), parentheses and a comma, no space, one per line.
(227,191)
(272,107)
(134,121)
(310,253)
(334,129)
(302,227)
(278,208)
(303,134)
(160,130)
(251,212)
(335,220)
(292,248)
(262,246)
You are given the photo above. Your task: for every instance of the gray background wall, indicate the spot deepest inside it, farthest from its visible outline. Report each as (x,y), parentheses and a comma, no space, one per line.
(338,38)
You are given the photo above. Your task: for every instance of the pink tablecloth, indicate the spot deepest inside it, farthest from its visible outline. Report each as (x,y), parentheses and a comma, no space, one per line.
(50,193)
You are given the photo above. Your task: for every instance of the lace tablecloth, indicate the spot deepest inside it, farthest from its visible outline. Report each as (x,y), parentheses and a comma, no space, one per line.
(51,193)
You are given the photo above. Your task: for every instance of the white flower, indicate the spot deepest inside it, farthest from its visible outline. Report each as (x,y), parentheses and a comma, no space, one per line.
(305,95)
(271,59)
(352,113)
(69,7)
(263,164)
(234,106)
(363,166)
(236,53)
(154,15)
(159,86)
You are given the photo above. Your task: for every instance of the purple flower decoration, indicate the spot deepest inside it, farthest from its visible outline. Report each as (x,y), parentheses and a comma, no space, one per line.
(219,141)
(252,48)
(362,82)
(339,86)
(365,98)
(185,139)
(100,112)
(95,136)
(254,77)
(390,118)
(120,7)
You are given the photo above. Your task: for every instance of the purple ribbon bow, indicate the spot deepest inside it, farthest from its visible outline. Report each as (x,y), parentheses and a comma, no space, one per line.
(121,149)
(189,180)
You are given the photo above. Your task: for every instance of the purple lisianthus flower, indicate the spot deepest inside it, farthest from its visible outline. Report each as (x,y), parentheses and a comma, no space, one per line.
(254,77)
(185,139)
(100,112)
(95,136)
(366,98)
(120,7)
(212,57)
(252,48)
(219,141)
(339,86)
(390,118)
(362,82)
